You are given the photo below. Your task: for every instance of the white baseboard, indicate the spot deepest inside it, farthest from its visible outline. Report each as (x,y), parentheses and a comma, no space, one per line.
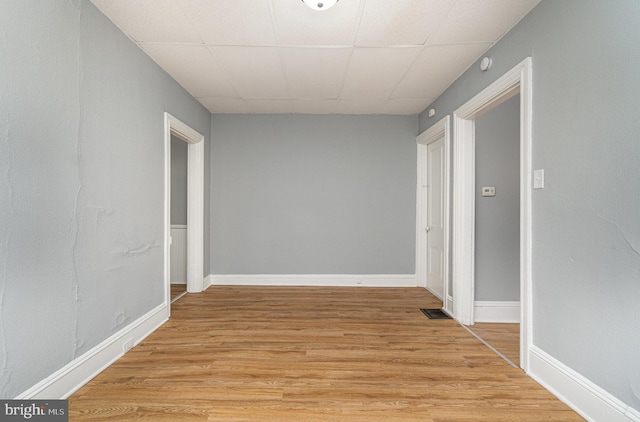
(67,380)
(401,280)
(589,400)
(502,311)
(433,293)
(448,305)
(208,281)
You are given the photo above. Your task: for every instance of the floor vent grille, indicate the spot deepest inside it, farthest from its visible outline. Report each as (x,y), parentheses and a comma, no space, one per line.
(435,313)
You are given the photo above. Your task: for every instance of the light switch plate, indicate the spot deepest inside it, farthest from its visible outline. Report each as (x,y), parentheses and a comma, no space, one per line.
(538,179)
(488,191)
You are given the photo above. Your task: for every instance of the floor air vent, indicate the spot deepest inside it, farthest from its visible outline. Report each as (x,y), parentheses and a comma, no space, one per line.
(435,313)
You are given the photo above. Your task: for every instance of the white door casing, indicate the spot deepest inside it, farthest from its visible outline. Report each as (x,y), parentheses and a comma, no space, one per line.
(195,204)
(432,223)
(517,80)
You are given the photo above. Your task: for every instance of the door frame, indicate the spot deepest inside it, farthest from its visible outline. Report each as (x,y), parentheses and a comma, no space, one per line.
(441,129)
(195,203)
(517,80)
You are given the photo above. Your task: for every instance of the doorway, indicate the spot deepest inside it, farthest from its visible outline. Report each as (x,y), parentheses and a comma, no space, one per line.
(195,205)
(179,236)
(497,229)
(516,81)
(432,214)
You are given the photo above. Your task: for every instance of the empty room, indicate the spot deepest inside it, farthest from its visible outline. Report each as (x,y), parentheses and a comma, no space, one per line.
(305,210)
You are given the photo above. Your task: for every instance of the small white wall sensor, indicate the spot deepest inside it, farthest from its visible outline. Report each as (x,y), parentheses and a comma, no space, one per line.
(488,191)
(485,64)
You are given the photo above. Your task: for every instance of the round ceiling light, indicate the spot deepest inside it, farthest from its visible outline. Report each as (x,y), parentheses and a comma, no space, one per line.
(320,4)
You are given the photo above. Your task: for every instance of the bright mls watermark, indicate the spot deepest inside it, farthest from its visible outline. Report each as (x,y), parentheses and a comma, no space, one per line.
(34,410)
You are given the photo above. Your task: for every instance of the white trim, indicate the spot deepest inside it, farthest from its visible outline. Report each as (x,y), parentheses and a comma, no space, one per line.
(178,226)
(420,264)
(497,311)
(526,237)
(516,80)
(208,281)
(441,129)
(195,203)
(589,400)
(448,306)
(67,380)
(382,280)
(195,217)
(462,270)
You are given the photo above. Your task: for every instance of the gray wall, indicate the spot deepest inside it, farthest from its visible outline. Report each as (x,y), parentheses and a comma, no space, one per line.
(497,235)
(302,194)
(179,166)
(81,184)
(586,236)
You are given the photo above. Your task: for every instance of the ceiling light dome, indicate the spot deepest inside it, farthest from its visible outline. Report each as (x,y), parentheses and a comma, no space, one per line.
(320,4)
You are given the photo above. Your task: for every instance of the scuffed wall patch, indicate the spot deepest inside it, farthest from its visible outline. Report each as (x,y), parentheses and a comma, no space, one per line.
(140,248)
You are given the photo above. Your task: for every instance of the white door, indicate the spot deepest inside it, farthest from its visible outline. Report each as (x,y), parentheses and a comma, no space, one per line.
(434,224)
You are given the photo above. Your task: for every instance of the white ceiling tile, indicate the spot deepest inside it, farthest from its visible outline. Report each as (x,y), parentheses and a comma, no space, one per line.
(406,106)
(437,68)
(314,106)
(315,72)
(400,22)
(223,105)
(360,106)
(193,67)
(374,72)
(151,21)
(481,20)
(279,56)
(231,22)
(268,106)
(256,72)
(297,24)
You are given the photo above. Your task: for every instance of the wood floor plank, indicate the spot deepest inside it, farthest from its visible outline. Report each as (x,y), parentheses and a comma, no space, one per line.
(312,354)
(177,290)
(505,338)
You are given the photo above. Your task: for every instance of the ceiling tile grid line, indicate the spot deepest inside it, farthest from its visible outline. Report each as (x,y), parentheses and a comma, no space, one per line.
(278,56)
(345,73)
(359,24)
(314,47)
(217,60)
(406,71)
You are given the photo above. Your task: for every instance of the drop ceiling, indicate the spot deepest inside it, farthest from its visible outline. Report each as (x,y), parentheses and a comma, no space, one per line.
(280,56)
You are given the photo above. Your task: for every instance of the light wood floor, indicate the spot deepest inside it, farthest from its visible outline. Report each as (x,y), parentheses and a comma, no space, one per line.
(177,289)
(312,354)
(503,337)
